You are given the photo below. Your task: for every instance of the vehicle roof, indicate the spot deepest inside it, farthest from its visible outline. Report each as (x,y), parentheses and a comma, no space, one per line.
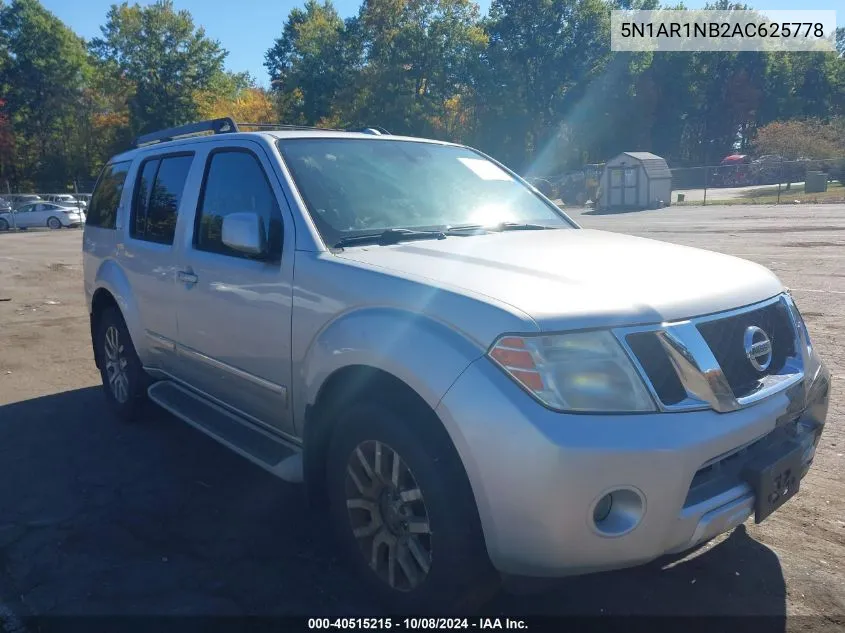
(271,135)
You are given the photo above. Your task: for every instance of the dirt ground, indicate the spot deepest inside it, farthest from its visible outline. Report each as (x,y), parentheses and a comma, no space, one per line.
(154,518)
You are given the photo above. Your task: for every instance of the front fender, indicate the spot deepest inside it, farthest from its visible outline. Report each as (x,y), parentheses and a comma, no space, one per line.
(111,277)
(424,353)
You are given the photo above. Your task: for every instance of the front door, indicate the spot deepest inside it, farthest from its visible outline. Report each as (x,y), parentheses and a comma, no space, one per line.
(29,215)
(234,310)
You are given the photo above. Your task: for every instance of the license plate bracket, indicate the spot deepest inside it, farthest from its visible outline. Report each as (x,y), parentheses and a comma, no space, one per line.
(775,476)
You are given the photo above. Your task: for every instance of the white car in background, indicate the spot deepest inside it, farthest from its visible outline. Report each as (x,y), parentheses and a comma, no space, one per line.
(49,214)
(66,200)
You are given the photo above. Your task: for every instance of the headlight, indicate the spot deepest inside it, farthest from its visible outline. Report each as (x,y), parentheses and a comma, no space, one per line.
(811,360)
(582,371)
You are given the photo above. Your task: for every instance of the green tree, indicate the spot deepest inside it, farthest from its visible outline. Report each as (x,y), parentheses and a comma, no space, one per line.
(167,58)
(543,57)
(44,71)
(421,55)
(802,139)
(309,63)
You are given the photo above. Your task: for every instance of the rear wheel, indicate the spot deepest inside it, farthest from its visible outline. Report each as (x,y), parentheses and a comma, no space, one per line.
(124,380)
(404,512)
(54,223)
(4,225)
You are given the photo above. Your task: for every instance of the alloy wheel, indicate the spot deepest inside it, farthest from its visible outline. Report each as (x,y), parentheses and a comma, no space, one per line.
(388,516)
(116,365)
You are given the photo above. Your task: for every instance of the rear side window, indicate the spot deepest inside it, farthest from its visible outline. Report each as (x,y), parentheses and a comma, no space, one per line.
(102,212)
(235,182)
(158,193)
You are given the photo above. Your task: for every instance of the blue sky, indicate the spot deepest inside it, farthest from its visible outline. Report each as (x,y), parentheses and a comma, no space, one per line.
(247,28)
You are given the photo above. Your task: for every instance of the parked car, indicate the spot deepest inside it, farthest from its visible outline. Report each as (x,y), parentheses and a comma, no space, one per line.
(66,200)
(581,185)
(770,169)
(733,171)
(544,186)
(18,200)
(46,214)
(464,379)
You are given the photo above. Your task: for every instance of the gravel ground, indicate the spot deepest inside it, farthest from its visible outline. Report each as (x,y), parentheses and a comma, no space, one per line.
(155,518)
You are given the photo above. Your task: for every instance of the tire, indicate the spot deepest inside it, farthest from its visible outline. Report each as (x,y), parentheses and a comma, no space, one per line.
(4,225)
(127,392)
(441,529)
(54,223)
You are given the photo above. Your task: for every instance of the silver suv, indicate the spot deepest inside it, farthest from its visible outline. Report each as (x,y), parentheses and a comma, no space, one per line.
(470,384)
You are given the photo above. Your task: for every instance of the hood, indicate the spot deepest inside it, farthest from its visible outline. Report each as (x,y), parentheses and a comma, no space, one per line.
(577,278)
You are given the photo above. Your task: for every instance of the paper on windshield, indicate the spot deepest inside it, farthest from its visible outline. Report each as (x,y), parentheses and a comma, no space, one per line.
(485,170)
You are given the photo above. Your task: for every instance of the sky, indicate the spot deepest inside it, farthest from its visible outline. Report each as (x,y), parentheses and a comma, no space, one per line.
(247,28)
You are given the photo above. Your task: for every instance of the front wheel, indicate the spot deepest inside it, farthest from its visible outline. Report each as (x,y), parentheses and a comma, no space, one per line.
(54,223)
(4,225)
(404,512)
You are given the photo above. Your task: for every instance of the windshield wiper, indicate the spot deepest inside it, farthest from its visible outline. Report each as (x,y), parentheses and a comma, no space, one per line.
(520,226)
(462,229)
(389,236)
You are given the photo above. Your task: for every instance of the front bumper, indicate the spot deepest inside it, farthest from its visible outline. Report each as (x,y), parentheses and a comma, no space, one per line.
(537,474)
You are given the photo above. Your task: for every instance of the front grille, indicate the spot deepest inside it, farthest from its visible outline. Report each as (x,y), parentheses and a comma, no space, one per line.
(725,339)
(657,367)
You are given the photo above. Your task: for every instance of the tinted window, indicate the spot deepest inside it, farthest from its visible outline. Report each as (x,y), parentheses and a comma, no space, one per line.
(141,200)
(102,211)
(235,183)
(157,198)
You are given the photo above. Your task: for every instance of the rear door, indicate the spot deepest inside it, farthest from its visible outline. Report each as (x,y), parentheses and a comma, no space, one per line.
(47,210)
(148,255)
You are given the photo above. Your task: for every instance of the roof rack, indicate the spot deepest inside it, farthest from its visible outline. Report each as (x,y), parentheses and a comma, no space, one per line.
(370,129)
(223,125)
(287,126)
(227,125)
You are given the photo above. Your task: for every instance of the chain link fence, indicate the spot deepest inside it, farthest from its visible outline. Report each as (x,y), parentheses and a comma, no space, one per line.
(53,188)
(764,180)
(742,180)
(16,200)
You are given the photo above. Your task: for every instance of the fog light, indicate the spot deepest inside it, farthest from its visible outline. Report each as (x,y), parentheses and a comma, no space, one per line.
(602,508)
(617,512)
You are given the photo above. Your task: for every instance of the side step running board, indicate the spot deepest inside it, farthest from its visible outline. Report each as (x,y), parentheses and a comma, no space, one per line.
(272,453)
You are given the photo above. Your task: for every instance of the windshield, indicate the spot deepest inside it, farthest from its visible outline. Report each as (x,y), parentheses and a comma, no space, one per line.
(360,186)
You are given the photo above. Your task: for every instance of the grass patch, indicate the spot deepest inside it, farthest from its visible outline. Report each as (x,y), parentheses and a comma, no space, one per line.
(769,195)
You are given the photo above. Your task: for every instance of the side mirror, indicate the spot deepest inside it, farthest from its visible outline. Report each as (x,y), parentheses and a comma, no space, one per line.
(244,232)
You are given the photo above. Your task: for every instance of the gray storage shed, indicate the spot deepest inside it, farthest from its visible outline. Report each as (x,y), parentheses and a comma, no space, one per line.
(635,180)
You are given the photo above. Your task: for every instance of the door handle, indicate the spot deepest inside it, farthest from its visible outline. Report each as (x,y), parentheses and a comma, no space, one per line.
(186,277)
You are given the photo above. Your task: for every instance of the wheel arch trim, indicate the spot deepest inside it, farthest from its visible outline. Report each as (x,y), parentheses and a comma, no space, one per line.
(423,353)
(110,278)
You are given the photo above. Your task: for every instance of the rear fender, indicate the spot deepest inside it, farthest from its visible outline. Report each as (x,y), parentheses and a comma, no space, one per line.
(111,277)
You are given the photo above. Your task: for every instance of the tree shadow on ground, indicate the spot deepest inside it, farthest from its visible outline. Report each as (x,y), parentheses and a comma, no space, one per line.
(103,517)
